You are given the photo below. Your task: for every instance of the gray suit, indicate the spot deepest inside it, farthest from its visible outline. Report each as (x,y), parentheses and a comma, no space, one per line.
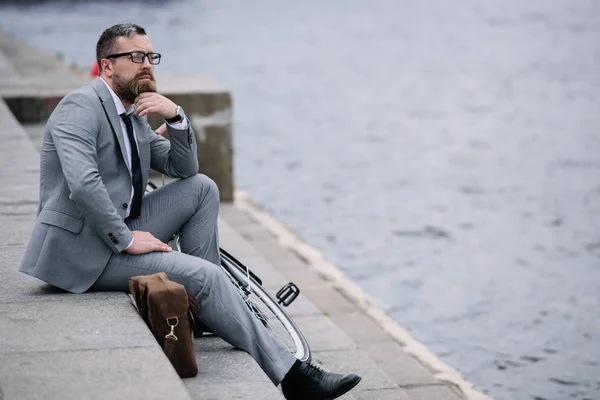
(85,186)
(81,231)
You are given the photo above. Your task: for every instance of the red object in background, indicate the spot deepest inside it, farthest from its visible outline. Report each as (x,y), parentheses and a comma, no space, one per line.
(94,70)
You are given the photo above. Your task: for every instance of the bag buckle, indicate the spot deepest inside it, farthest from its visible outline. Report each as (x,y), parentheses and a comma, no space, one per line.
(172,322)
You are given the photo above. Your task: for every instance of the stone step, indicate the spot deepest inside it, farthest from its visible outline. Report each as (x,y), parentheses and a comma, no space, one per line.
(233,374)
(56,345)
(227,373)
(341,336)
(332,347)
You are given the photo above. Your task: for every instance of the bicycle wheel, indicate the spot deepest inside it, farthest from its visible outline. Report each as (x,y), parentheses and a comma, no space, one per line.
(264,307)
(279,324)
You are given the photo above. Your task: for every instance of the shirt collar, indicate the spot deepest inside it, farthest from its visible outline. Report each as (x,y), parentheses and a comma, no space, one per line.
(118,103)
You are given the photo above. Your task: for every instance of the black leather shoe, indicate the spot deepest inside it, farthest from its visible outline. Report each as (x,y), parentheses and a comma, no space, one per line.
(307,382)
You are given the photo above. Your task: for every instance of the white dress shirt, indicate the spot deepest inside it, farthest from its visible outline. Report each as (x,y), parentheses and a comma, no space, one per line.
(120,110)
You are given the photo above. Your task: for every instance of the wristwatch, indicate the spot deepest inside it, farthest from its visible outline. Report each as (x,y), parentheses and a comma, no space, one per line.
(177,118)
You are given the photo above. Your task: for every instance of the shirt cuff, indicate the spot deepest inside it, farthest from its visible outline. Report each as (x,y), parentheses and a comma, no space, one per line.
(180,125)
(129,245)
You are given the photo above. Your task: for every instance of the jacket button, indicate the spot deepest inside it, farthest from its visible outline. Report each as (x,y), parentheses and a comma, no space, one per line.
(124,206)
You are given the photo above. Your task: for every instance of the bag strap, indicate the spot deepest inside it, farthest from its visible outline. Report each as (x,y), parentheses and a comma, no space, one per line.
(169,346)
(193,302)
(170,337)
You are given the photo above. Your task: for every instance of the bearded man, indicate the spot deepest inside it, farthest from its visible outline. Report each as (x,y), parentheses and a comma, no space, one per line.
(95,228)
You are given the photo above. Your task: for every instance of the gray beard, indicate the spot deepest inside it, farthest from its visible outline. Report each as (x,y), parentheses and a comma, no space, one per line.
(129,90)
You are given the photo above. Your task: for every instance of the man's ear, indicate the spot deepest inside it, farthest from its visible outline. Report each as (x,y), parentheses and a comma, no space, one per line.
(107,68)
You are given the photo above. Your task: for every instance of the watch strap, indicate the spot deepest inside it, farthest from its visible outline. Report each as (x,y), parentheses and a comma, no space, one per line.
(177,118)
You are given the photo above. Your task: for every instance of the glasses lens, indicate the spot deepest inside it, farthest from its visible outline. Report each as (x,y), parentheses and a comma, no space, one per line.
(137,57)
(154,58)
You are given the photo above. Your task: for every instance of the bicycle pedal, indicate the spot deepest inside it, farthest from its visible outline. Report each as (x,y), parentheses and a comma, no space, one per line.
(287,294)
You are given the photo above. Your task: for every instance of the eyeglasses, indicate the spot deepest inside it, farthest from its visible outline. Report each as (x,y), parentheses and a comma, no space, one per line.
(138,57)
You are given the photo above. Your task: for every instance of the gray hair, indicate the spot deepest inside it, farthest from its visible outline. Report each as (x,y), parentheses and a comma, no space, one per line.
(108,40)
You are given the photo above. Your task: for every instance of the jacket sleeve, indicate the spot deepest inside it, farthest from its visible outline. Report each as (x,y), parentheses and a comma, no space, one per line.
(176,157)
(74,132)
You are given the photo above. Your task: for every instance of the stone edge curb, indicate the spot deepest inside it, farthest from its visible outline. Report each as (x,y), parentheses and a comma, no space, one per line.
(316,260)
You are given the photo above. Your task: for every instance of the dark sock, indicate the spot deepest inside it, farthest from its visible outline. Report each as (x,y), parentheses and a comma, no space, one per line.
(292,370)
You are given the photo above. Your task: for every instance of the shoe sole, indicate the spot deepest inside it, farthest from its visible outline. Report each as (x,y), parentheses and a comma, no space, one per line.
(345,391)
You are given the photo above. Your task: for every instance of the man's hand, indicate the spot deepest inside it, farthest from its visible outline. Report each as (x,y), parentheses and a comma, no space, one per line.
(154,103)
(144,242)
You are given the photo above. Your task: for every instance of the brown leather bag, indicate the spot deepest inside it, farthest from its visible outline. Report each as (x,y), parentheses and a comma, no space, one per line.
(167,309)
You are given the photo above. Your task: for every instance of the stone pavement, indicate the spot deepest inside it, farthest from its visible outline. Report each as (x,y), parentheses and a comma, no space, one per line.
(55,345)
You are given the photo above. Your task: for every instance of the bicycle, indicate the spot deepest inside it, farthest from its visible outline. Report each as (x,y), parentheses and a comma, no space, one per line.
(266,308)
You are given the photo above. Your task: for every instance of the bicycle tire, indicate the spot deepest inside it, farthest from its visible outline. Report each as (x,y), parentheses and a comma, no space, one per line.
(265,308)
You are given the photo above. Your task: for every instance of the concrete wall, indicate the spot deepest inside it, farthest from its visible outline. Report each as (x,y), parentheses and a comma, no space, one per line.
(207,104)
(209,108)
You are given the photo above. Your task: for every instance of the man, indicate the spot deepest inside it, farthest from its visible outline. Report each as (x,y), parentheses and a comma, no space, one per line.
(94,229)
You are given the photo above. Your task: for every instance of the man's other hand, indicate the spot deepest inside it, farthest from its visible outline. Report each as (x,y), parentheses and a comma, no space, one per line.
(145,242)
(153,103)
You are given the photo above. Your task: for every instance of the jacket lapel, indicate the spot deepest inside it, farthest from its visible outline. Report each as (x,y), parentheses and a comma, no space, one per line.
(113,118)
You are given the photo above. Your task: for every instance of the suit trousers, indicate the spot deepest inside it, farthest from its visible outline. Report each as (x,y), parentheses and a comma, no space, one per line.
(190,206)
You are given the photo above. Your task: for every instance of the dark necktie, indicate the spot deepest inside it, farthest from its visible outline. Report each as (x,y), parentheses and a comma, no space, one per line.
(136,170)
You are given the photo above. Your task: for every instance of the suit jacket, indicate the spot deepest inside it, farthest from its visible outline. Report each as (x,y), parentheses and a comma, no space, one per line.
(85,186)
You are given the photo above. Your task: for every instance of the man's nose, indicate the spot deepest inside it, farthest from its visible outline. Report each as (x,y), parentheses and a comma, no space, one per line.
(147,67)
(146,64)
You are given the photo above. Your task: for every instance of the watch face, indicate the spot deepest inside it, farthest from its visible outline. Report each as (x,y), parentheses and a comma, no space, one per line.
(179,111)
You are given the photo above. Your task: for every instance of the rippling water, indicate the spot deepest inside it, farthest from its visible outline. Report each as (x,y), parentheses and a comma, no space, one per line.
(445,155)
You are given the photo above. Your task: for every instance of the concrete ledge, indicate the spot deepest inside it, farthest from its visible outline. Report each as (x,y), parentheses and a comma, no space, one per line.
(209,108)
(34,99)
(209,113)
(227,373)
(130,373)
(206,103)
(18,86)
(34,82)
(55,345)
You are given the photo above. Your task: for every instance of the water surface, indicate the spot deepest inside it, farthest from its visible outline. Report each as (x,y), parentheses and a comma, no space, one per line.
(445,155)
